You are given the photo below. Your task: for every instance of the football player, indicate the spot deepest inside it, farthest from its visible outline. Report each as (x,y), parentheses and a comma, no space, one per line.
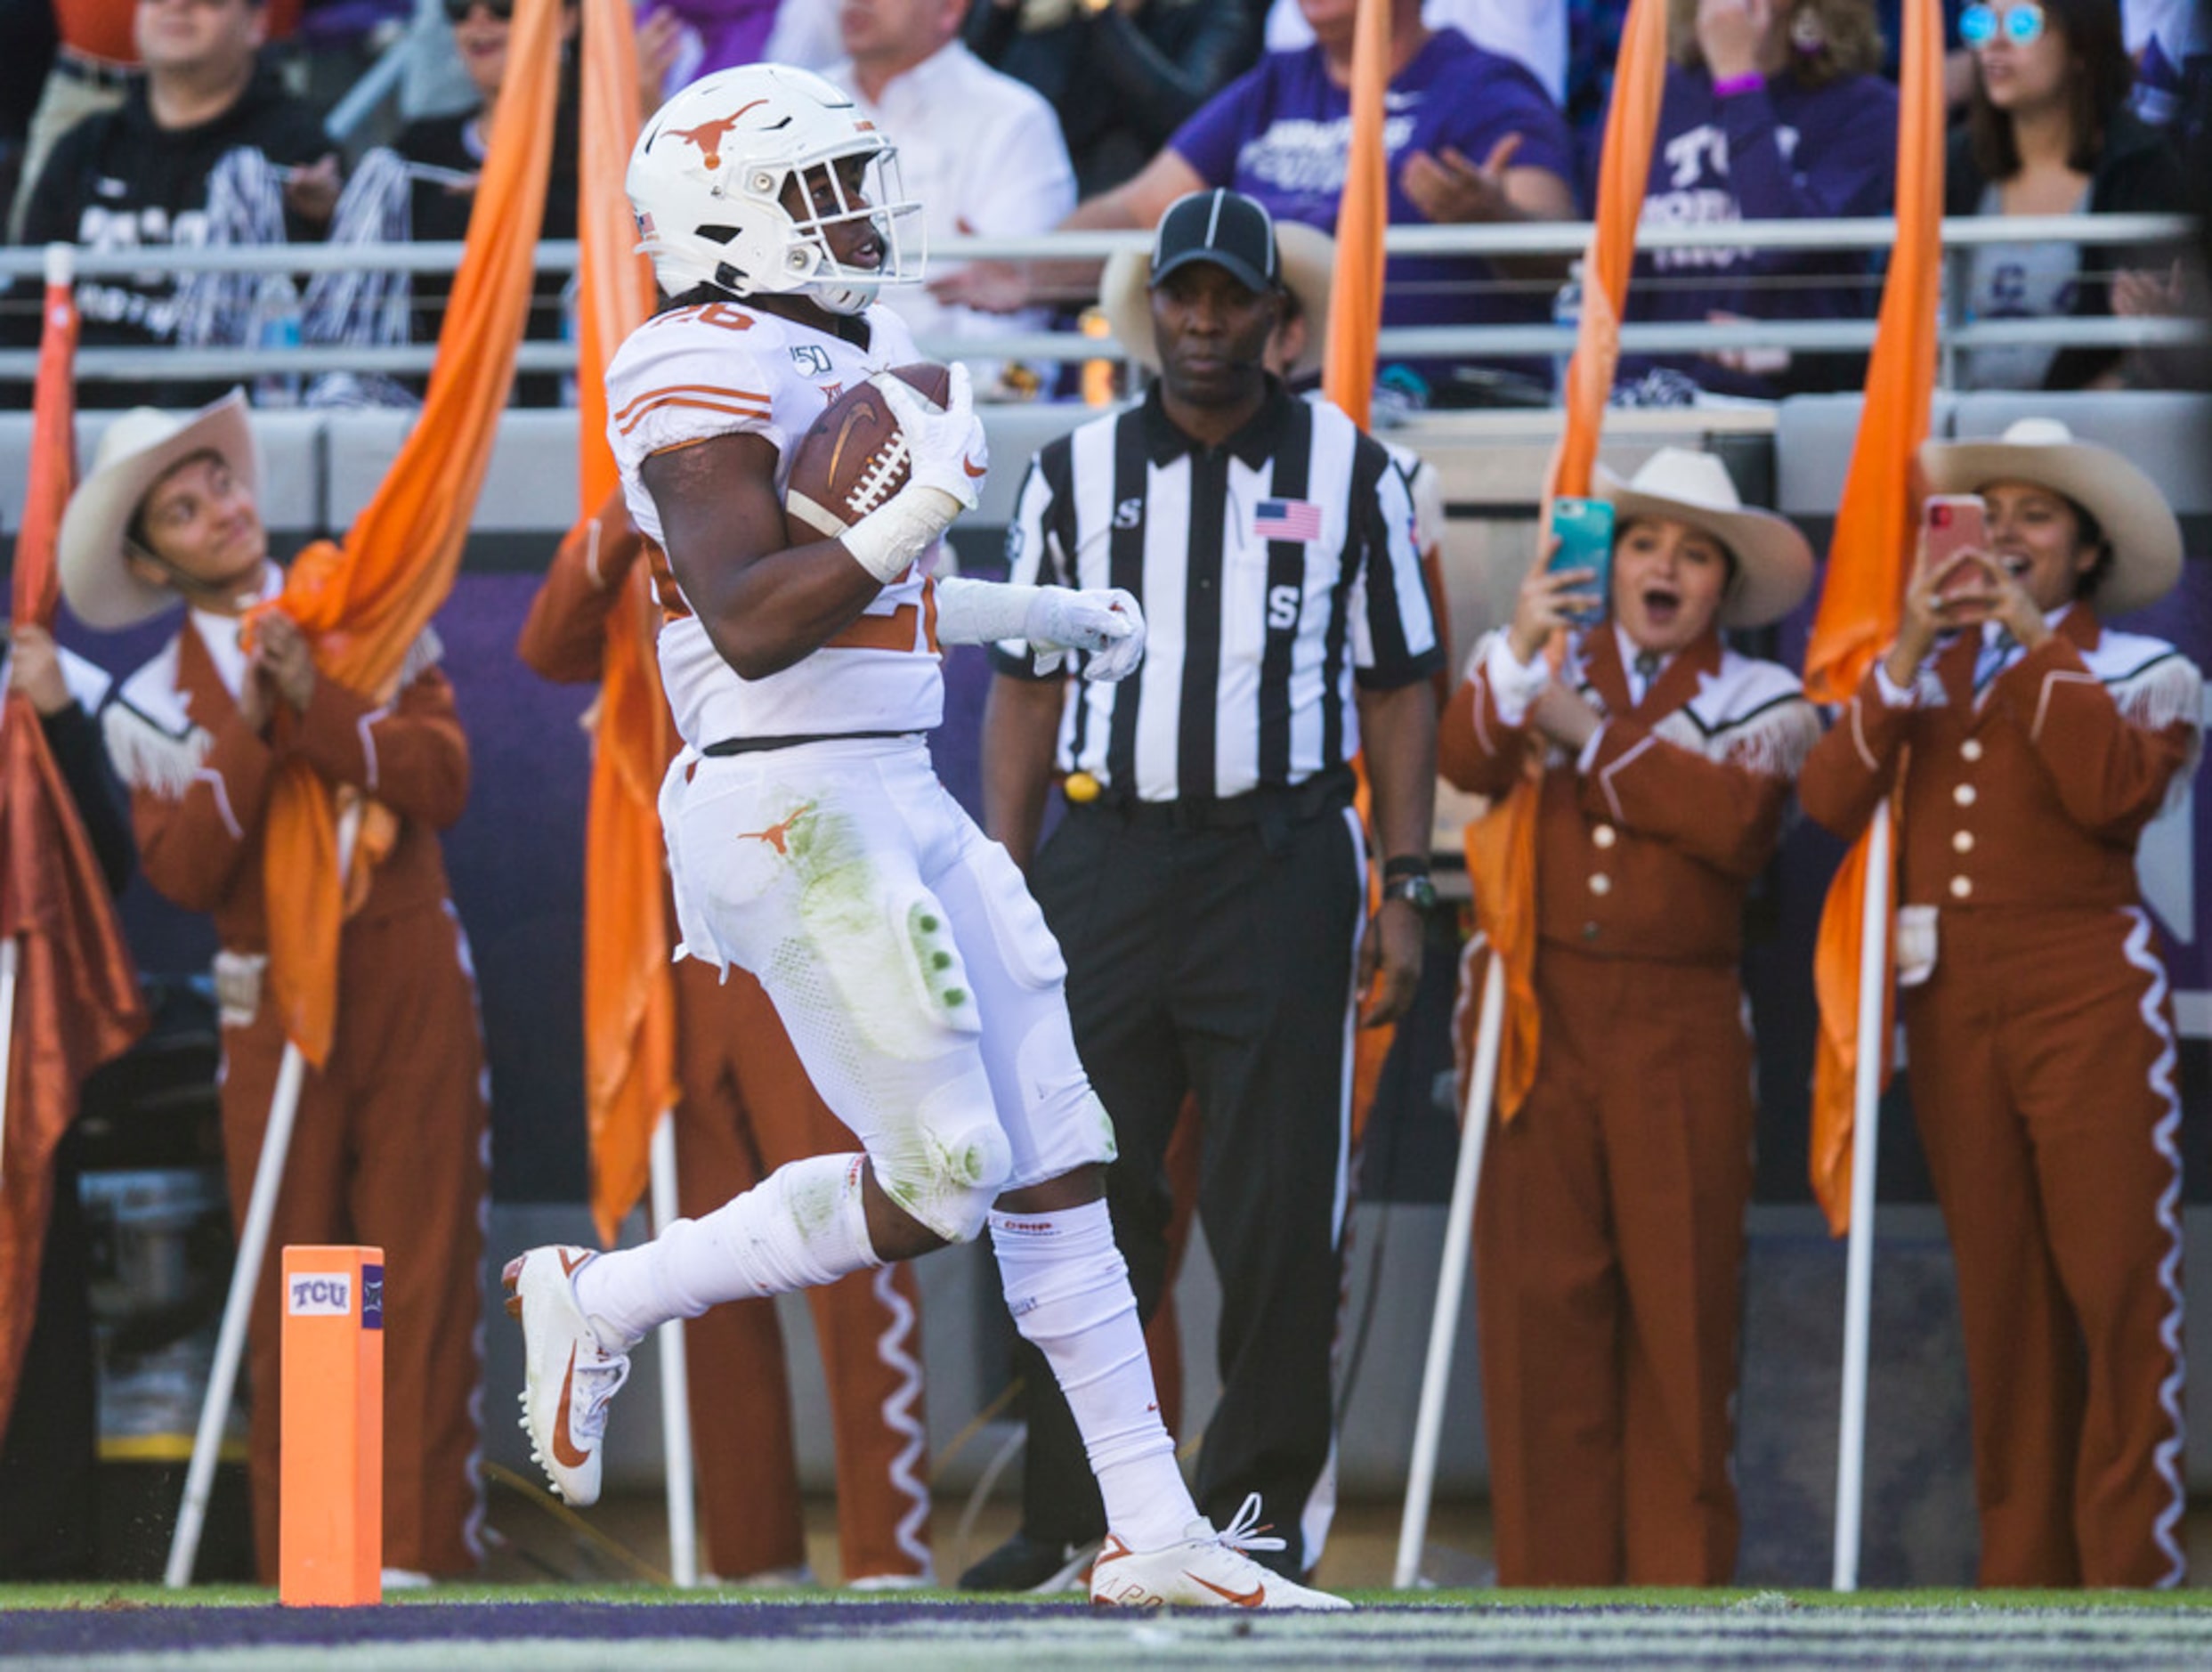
(810,841)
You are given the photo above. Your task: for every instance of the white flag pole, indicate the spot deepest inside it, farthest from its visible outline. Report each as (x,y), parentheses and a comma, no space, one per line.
(1459,1230)
(675,1411)
(253,1245)
(1851,1459)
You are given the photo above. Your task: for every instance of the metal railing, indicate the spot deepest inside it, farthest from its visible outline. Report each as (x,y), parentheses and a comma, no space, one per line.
(1829,336)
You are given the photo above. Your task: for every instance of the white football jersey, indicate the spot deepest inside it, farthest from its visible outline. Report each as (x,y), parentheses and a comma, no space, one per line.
(723,369)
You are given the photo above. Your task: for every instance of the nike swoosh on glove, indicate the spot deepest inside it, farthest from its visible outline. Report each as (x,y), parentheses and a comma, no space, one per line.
(1106,622)
(945,449)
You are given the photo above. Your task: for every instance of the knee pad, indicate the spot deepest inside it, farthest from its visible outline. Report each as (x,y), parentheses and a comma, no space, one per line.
(949,1165)
(1060,1097)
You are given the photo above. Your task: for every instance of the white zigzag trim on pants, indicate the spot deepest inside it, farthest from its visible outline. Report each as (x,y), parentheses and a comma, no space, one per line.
(473,1528)
(2168,1455)
(899,1415)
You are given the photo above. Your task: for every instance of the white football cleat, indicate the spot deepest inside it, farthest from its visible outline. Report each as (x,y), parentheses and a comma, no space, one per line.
(1207,1570)
(568,1376)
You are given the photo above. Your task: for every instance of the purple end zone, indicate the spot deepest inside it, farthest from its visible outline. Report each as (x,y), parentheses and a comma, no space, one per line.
(118,1629)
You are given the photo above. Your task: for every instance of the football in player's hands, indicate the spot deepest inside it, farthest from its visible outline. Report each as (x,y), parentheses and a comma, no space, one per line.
(854,457)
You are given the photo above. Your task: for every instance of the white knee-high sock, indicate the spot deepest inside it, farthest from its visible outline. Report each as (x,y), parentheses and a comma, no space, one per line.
(1068,1287)
(800,1228)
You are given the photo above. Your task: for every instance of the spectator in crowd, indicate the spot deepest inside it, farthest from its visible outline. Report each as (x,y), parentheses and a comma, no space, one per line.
(205,148)
(52,1429)
(1475,139)
(1534,32)
(444,157)
(1772,111)
(747,1107)
(1609,1232)
(2049,132)
(705,35)
(2039,1033)
(1210,875)
(2167,42)
(27,49)
(980,150)
(1123,76)
(85,73)
(392,1143)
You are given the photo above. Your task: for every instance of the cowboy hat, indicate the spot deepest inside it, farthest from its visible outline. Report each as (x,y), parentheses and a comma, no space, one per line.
(1773,563)
(136,451)
(2136,520)
(1308,258)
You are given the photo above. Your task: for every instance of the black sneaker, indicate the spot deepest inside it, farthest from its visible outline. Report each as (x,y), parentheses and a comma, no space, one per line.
(1023,1563)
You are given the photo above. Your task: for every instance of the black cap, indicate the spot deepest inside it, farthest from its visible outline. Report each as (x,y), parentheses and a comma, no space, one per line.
(1227,228)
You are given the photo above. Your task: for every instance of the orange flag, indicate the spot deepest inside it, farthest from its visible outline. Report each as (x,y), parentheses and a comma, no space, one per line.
(364,603)
(1868,560)
(1348,370)
(77,997)
(1502,845)
(1362,216)
(629,993)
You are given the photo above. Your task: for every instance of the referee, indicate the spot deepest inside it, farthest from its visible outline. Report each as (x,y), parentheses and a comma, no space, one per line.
(1208,885)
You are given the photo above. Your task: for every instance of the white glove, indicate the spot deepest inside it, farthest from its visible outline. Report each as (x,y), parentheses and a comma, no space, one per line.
(945,451)
(1107,622)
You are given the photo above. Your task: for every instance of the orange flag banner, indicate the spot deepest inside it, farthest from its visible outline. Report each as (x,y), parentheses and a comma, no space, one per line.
(77,1000)
(629,991)
(1501,844)
(1869,561)
(1362,216)
(363,603)
(1348,370)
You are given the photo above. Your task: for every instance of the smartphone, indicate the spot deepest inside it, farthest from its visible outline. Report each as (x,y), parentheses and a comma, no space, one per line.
(1955,523)
(1583,529)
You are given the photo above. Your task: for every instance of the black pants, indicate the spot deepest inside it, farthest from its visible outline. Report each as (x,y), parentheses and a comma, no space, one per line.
(1217,960)
(47,1482)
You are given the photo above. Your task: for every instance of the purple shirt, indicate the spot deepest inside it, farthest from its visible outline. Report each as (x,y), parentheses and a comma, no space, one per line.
(731,32)
(1281,133)
(1788,153)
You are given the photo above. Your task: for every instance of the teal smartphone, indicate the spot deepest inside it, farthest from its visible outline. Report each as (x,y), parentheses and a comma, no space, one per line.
(1584,531)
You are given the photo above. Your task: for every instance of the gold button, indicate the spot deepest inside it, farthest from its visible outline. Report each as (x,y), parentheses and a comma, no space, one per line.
(1599,883)
(1605,835)
(1961,887)
(1971,750)
(1963,794)
(1962,841)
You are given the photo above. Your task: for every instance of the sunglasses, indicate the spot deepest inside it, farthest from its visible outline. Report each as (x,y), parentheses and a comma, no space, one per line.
(2022,25)
(458,11)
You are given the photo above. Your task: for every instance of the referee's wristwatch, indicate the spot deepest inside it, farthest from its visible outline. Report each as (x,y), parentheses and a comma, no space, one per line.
(1406,878)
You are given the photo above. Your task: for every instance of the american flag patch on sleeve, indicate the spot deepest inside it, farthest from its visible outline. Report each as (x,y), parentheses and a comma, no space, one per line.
(1286,519)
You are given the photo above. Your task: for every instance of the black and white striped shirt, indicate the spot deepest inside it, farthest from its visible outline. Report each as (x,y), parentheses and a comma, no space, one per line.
(1277,571)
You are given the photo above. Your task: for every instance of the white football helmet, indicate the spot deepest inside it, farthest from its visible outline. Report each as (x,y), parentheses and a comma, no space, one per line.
(715,176)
